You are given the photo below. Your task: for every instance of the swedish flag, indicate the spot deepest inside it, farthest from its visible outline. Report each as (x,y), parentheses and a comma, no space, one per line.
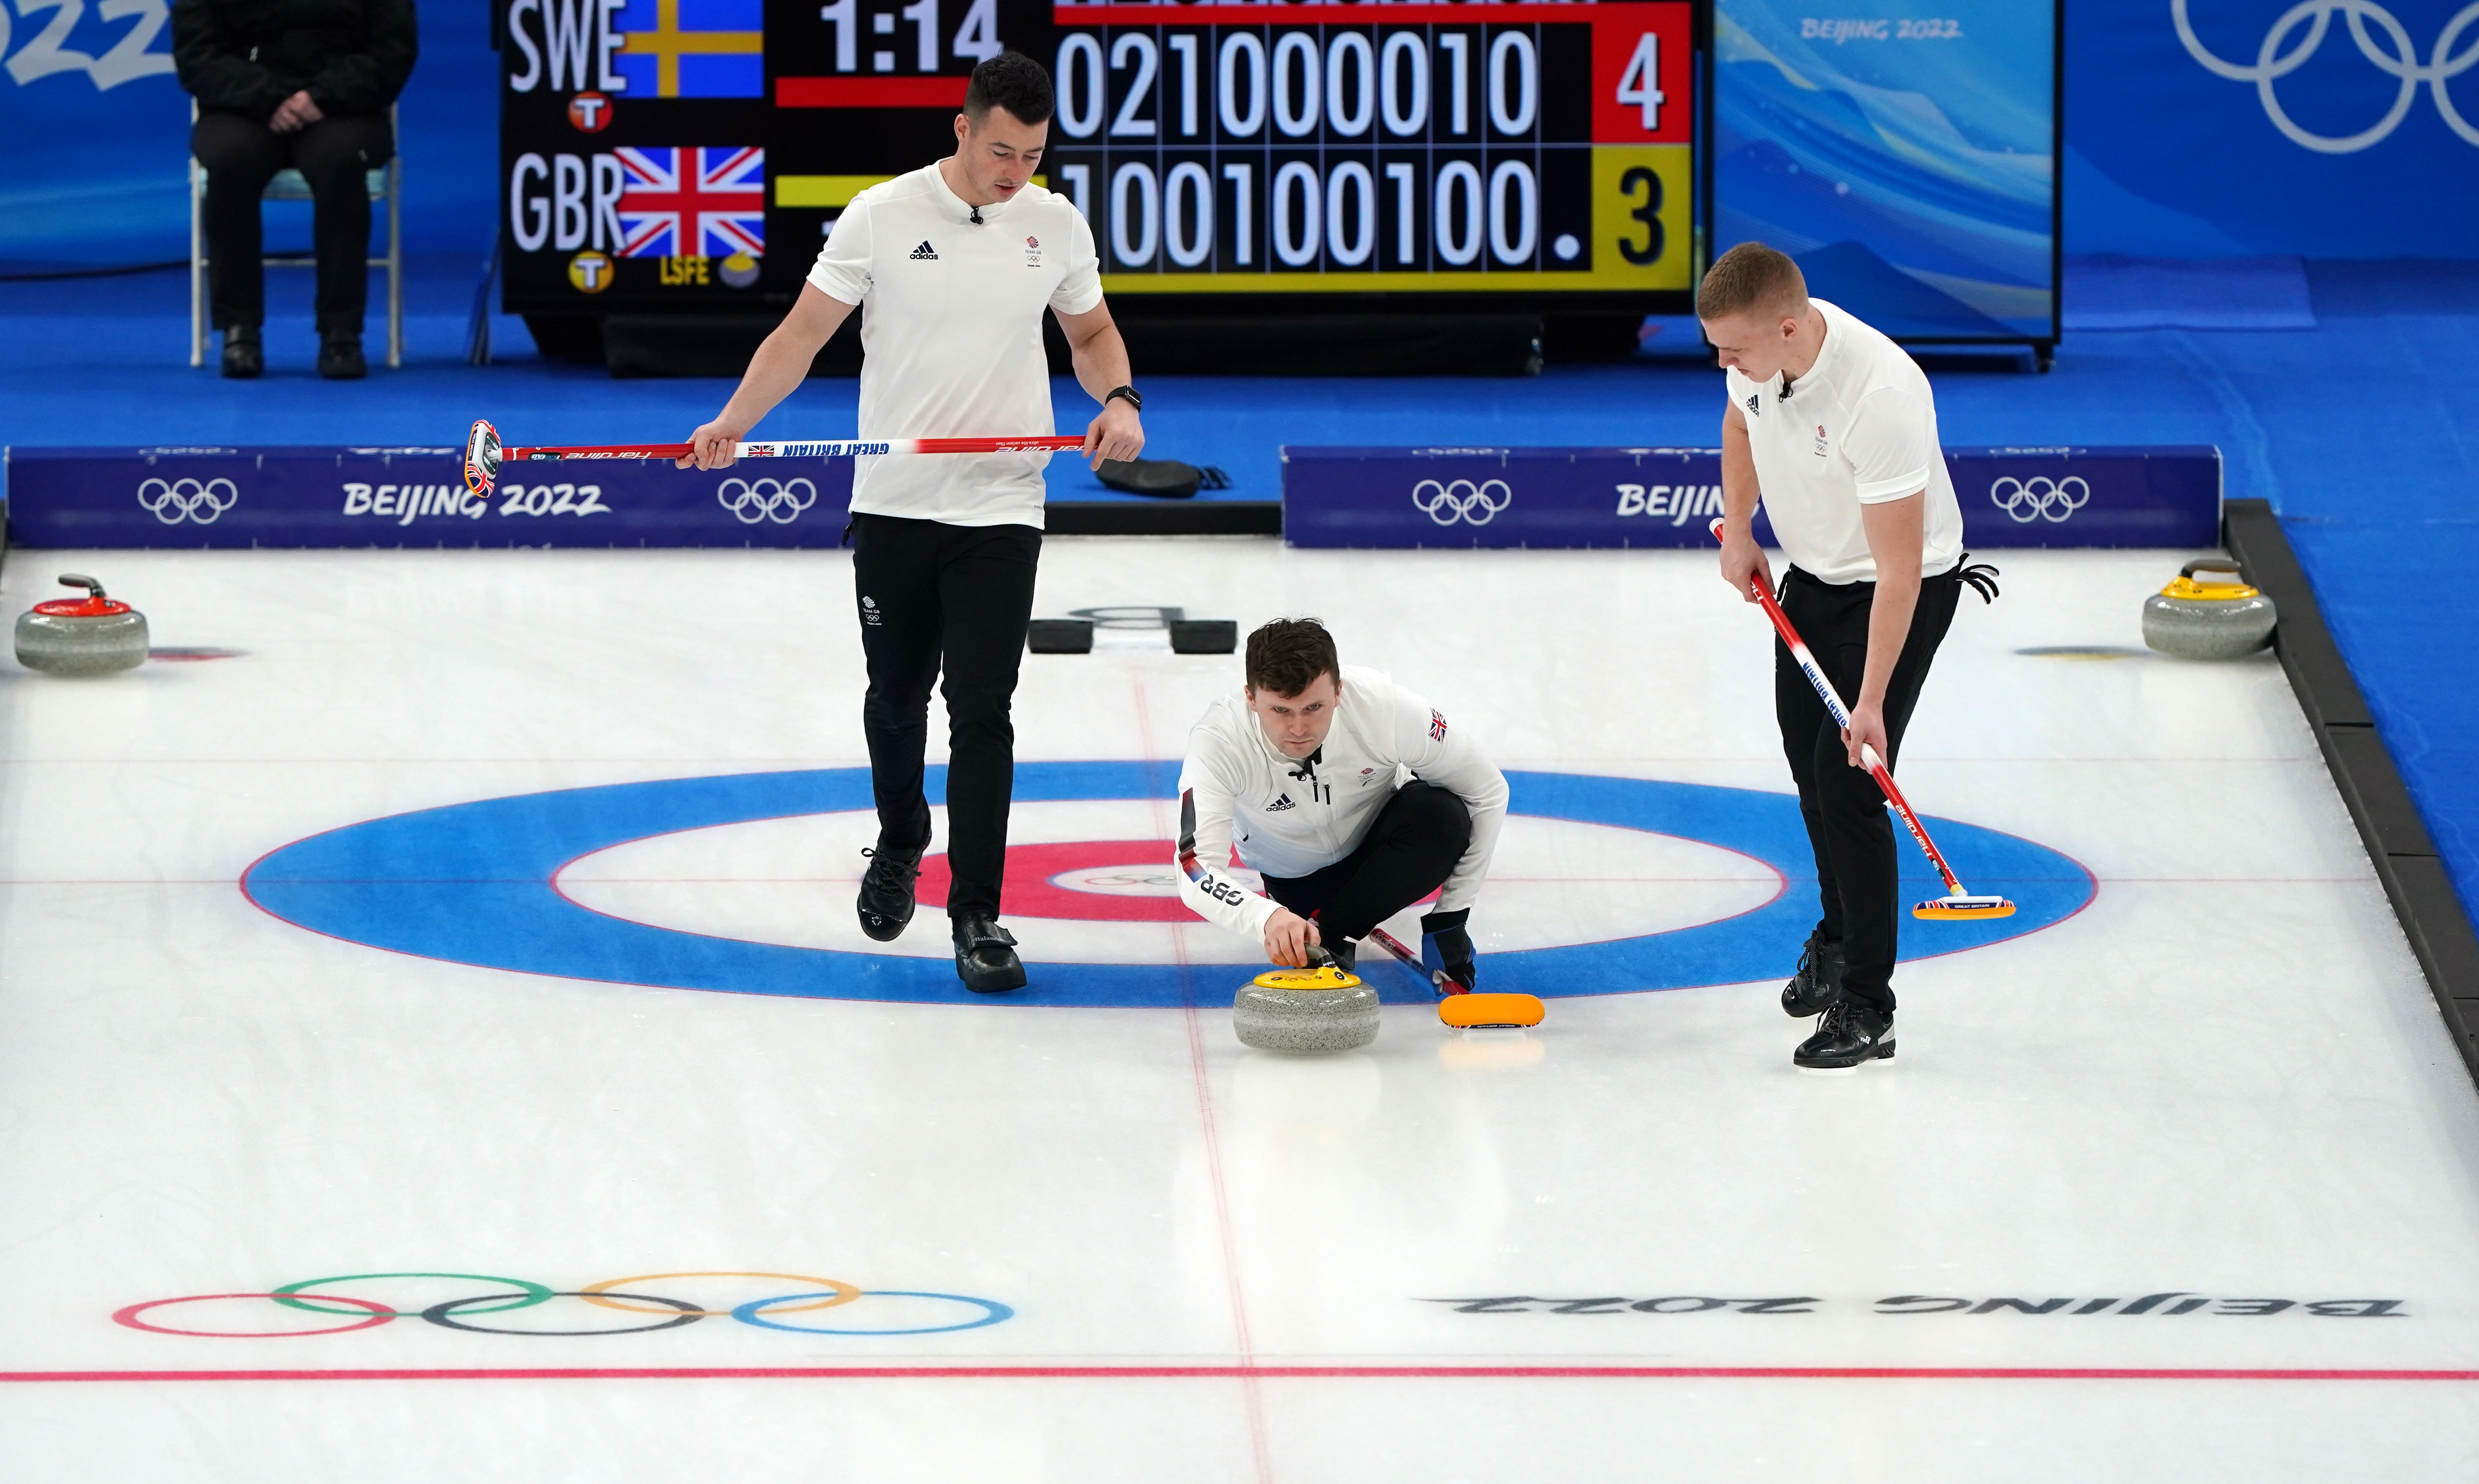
(693,48)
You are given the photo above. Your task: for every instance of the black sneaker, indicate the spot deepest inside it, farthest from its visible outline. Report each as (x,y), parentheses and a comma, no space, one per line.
(985,958)
(1847,1035)
(340,356)
(886,901)
(1819,980)
(242,357)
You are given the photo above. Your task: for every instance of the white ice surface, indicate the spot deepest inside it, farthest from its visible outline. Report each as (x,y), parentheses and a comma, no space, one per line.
(2225,1079)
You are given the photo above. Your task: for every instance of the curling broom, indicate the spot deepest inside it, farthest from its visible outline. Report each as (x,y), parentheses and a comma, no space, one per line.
(1957,905)
(483,454)
(1461,1007)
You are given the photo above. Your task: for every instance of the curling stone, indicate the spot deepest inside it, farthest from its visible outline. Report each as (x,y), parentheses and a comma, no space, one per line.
(1306,1011)
(89,635)
(2207,614)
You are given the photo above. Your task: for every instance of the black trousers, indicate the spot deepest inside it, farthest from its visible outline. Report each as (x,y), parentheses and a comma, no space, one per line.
(1848,824)
(1419,837)
(334,155)
(956,598)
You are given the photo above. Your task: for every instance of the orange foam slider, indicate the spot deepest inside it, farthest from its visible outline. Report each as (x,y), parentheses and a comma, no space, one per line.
(1469,1011)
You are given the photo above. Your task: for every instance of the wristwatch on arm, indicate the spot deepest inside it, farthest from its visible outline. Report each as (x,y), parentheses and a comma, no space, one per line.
(1125,393)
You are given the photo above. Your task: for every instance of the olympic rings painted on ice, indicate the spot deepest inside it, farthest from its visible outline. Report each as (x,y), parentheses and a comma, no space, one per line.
(2040,498)
(459,1314)
(187,499)
(993,1313)
(477,884)
(379,1314)
(601,1293)
(290,1295)
(779,500)
(1461,501)
(2400,60)
(441,1314)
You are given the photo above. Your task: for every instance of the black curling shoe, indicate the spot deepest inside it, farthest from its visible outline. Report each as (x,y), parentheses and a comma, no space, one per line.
(886,901)
(985,958)
(1819,980)
(1848,1037)
(340,356)
(242,357)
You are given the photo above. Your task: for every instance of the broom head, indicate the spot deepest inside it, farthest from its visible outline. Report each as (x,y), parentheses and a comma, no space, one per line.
(1471,1011)
(1963,908)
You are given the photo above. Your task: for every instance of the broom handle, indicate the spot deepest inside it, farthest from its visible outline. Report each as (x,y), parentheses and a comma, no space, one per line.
(1437,979)
(1806,662)
(858,448)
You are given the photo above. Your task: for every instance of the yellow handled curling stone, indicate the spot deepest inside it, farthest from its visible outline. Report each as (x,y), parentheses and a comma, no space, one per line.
(1306,1011)
(2207,612)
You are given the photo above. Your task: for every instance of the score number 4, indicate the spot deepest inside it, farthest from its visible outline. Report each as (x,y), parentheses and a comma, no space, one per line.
(1641,83)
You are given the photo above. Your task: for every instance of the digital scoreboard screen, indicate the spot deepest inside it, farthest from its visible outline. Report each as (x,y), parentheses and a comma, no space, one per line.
(693,153)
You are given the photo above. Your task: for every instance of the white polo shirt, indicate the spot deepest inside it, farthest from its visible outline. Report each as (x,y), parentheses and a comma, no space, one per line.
(1859,429)
(951,339)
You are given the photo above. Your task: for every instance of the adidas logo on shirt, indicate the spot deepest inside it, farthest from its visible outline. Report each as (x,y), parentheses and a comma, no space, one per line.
(924,253)
(1283,802)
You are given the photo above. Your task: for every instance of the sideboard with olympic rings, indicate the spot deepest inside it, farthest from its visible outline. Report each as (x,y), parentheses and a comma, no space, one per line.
(1479,497)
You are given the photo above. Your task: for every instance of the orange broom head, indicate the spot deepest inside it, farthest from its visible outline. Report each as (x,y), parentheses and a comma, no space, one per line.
(1469,1012)
(1963,908)
(1324,977)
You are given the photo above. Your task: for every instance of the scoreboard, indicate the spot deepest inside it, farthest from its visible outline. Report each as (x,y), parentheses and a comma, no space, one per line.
(693,153)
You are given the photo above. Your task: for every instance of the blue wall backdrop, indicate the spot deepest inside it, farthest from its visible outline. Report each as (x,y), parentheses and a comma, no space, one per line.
(2165,157)
(1904,160)
(2176,145)
(94,135)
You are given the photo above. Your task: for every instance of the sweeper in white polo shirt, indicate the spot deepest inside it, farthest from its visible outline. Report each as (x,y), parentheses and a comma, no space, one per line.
(954,266)
(1835,428)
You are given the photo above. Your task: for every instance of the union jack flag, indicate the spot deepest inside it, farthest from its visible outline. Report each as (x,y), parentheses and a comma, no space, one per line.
(694,201)
(1437,727)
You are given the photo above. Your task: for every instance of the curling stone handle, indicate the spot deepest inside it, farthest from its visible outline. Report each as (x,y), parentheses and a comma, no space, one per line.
(92,588)
(2199,564)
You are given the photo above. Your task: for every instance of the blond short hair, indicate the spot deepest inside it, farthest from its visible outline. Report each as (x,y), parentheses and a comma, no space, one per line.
(1752,278)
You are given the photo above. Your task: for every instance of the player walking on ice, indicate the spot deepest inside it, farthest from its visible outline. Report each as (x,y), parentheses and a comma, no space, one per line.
(1352,797)
(953,266)
(1834,429)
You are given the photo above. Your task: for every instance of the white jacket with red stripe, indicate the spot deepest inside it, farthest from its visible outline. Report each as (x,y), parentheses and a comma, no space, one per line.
(1292,816)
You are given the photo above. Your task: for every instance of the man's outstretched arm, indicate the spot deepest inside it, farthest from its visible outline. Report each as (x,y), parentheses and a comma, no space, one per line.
(780,364)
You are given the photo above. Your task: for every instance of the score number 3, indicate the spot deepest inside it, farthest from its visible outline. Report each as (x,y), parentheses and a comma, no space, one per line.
(1649,214)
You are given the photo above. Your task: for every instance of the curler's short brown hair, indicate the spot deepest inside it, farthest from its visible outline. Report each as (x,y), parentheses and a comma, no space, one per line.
(1286,655)
(1752,278)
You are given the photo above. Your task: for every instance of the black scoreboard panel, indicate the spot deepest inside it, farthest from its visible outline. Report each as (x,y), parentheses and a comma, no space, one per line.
(692,153)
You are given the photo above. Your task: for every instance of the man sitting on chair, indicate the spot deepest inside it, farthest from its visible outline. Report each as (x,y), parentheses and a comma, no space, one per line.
(298,83)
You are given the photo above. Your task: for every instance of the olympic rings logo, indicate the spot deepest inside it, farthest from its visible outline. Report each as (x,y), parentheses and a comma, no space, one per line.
(2040,498)
(779,500)
(1461,501)
(509,1295)
(187,499)
(2400,60)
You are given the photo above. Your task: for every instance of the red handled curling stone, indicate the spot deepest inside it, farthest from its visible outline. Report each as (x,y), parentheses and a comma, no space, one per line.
(89,635)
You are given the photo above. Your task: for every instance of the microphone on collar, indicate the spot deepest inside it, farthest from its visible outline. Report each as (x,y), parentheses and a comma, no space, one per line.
(1308,765)
(976,218)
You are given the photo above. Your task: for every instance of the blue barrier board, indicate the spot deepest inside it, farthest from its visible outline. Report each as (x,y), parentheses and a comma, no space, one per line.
(1368,497)
(317,497)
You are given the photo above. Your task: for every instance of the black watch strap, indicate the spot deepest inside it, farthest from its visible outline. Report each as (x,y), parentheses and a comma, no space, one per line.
(1125,393)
